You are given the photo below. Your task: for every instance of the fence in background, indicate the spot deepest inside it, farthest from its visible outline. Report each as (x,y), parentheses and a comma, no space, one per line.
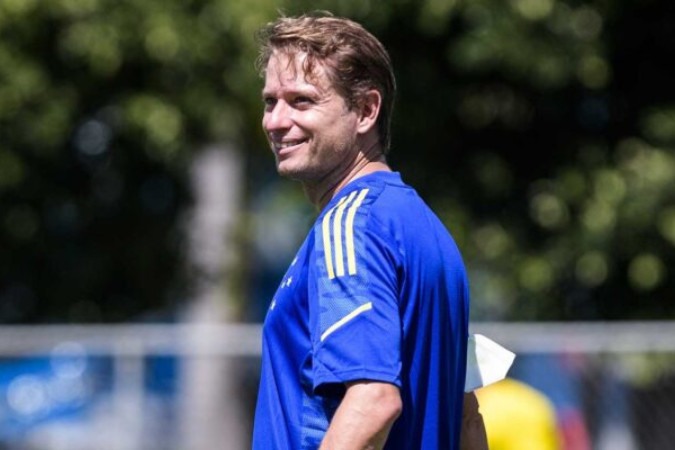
(118,387)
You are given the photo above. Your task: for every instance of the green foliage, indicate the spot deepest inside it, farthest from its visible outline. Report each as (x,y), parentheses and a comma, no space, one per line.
(542,131)
(101,105)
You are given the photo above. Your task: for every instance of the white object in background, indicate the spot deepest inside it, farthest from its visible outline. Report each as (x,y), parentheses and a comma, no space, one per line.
(486,362)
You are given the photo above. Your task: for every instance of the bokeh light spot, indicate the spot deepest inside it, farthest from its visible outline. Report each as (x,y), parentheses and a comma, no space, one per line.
(549,211)
(591,269)
(535,274)
(646,272)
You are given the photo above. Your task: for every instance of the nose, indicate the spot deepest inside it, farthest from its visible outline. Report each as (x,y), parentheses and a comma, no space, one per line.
(277,117)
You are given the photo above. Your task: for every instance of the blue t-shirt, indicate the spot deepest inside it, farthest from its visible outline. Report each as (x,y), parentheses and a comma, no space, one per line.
(377,291)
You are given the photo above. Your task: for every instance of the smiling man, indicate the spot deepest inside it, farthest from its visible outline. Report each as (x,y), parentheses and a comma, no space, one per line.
(364,343)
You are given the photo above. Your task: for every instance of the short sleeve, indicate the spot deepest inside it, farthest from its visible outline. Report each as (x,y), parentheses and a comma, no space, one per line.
(353,296)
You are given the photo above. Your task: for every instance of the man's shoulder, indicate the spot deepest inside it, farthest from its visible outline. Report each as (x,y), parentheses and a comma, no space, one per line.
(380,203)
(372,199)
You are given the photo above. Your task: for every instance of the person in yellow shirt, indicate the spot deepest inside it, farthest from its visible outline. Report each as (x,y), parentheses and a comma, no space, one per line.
(518,417)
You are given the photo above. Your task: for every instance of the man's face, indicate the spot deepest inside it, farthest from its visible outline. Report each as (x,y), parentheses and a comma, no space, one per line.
(311,130)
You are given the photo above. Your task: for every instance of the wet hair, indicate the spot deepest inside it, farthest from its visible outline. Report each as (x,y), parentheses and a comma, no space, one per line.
(354,59)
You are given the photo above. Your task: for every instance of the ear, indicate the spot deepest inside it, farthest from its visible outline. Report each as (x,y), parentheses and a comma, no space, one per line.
(369,111)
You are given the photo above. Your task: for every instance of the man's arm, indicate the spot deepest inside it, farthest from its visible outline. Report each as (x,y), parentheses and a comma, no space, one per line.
(364,417)
(473,435)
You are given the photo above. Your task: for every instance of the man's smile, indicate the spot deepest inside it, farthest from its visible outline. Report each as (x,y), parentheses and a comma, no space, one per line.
(287,146)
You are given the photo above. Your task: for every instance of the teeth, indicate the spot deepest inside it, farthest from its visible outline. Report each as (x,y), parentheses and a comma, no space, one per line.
(288,144)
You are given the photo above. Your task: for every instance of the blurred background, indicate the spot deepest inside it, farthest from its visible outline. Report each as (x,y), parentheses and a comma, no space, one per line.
(143,229)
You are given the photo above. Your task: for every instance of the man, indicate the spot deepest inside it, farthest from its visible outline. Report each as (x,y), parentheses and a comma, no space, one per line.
(364,343)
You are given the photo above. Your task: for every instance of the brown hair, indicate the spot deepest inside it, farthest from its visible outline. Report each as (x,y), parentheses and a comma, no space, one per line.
(354,59)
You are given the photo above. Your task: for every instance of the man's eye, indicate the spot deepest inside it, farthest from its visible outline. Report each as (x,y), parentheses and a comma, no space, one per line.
(269,101)
(303,101)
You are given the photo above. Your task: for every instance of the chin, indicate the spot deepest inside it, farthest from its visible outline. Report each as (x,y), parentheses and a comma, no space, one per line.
(287,170)
(295,172)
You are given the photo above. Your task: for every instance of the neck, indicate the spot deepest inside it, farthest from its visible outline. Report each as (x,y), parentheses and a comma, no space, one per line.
(369,161)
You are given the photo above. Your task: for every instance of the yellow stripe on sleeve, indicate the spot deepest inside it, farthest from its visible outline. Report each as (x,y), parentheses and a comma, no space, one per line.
(325,231)
(337,236)
(349,232)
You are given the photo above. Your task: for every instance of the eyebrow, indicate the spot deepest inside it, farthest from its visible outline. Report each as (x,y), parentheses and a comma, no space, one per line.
(313,91)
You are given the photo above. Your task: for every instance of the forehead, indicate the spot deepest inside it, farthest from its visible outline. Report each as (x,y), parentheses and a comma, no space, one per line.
(288,71)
